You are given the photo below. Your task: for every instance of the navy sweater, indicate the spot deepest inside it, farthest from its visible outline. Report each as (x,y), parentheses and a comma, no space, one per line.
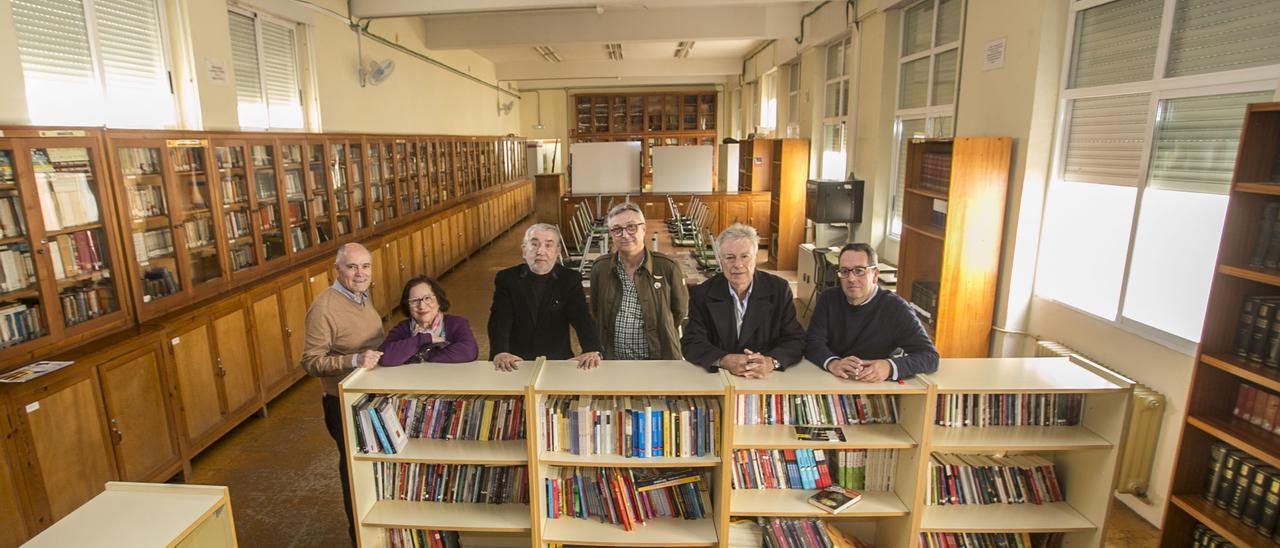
(871,332)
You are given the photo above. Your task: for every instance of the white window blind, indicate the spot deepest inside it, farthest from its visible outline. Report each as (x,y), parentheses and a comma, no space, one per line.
(265,62)
(1217,35)
(907,130)
(1116,43)
(94,63)
(913,89)
(917,28)
(284,105)
(769,101)
(1196,141)
(244,57)
(949,14)
(1106,138)
(944,78)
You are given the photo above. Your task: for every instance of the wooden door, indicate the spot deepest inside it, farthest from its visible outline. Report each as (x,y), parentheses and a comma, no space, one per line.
(235,362)
(760,218)
(424,247)
(133,388)
(390,277)
(450,239)
(419,263)
(273,357)
(294,299)
(407,259)
(378,286)
(733,209)
(192,352)
(13,525)
(318,282)
(69,439)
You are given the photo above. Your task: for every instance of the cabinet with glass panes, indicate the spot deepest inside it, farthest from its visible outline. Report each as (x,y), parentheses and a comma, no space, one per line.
(319,196)
(420,159)
(390,194)
(407,166)
(56,252)
(338,179)
(373,171)
(172,221)
(268,211)
(358,184)
(297,203)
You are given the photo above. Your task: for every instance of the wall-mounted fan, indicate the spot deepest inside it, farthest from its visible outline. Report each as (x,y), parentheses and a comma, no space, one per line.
(376,72)
(505,108)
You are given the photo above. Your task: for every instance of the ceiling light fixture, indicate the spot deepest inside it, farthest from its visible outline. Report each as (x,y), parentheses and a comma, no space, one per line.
(683,49)
(614,51)
(549,55)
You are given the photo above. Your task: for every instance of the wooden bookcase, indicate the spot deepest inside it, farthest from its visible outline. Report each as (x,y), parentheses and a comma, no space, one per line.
(147,514)
(652,119)
(788,175)
(373,516)
(1218,372)
(952,226)
(755,162)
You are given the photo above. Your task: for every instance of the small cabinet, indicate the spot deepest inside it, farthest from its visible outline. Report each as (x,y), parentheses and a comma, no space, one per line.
(733,209)
(214,371)
(13,524)
(136,396)
(279,312)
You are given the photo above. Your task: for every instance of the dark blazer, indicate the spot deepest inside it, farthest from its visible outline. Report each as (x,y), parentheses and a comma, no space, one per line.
(515,325)
(769,327)
(403,346)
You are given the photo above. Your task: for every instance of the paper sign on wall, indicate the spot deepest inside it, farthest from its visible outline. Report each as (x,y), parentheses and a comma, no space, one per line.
(216,70)
(993,55)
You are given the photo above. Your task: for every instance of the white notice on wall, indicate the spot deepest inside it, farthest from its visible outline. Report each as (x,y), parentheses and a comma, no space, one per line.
(216,69)
(993,55)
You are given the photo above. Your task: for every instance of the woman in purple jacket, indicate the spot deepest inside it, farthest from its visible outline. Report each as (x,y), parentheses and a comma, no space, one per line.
(428,335)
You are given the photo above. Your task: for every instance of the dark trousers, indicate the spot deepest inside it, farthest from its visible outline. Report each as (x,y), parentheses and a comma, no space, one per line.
(333,422)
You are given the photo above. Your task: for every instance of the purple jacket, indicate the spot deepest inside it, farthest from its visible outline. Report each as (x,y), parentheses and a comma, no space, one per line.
(401,346)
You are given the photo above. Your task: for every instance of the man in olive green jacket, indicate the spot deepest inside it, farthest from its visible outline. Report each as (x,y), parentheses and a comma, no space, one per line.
(638,297)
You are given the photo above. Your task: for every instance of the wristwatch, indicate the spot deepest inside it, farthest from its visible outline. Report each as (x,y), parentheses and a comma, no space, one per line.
(776,366)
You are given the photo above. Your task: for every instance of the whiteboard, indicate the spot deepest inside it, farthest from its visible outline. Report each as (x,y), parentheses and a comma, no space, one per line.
(604,168)
(682,169)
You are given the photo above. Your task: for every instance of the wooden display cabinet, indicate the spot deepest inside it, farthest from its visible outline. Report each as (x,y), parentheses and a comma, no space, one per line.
(952,227)
(59,248)
(755,162)
(788,174)
(340,181)
(360,185)
(1219,372)
(279,312)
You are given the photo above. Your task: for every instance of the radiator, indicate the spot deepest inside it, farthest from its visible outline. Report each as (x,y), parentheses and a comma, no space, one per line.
(1143,431)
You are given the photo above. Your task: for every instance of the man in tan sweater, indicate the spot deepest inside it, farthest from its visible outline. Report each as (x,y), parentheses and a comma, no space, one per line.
(343,334)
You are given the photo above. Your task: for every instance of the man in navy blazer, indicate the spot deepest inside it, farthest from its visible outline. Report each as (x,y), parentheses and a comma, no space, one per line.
(742,320)
(535,303)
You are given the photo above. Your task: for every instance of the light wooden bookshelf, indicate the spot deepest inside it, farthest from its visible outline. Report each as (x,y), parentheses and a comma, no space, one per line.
(1085,456)
(1219,373)
(467,379)
(147,514)
(890,511)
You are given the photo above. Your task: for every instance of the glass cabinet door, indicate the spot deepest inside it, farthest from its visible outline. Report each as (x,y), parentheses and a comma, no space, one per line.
(405,181)
(149,221)
(192,183)
(341,190)
(295,195)
(22,318)
(74,234)
(390,179)
(357,186)
(268,201)
(376,197)
(237,211)
(319,189)
(446,174)
(411,163)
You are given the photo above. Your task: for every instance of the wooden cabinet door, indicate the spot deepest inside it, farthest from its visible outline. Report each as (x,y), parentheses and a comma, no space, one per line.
(137,411)
(13,525)
(390,277)
(378,287)
(419,263)
(733,210)
(235,363)
(295,320)
(760,209)
(407,259)
(273,355)
(69,437)
(319,282)
(192,352)
(427,248)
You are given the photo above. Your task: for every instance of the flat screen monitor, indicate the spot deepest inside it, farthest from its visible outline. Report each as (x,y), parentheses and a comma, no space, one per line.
(828,201)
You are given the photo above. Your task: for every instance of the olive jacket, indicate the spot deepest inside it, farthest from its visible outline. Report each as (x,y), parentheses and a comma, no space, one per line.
(664,302)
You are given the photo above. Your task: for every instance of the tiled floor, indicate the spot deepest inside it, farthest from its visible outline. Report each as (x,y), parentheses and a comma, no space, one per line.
(282,469)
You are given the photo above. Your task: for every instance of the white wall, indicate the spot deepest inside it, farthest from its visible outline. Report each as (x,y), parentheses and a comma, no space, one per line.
(13,98)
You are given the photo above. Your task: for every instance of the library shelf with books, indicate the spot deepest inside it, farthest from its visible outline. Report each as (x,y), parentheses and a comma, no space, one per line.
(463,380)
(1235,348)
(58,252)
(638,379)
(889,509)
(952,225)
(1084,455)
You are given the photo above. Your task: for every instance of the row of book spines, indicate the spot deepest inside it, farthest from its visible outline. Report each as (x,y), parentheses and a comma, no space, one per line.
(139,161)
(12,223)
(816,409)
(797,533)
(20,322)
(234,189)
(145,201)
(455,483)
(1204,537)
(612,496)
(471,418)
(935,171)
(86,303)
(983,479)
(1245,487)
(1258,332)
(1259,407)
(199,232)
(187,158)
(857,469)
(76,253)
(421,538)
(17,269)
(653,427)
(1266,243)
(1008,409)
(991,540)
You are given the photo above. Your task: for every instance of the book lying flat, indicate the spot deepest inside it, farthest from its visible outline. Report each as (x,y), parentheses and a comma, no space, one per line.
(820,433)
(835,499)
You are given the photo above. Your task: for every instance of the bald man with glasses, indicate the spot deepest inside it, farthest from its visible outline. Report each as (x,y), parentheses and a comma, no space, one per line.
(861,332)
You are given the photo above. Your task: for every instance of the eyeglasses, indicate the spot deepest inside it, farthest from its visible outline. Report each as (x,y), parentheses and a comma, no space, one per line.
(857,271)
(420,301)
(629,229)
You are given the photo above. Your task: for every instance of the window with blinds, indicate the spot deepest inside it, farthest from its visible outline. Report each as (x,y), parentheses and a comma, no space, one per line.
(265,61)
(1149,156)
(94,62)
(835,110)
(769,101)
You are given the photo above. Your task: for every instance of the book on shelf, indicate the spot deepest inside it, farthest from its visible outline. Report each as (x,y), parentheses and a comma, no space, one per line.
(229,157)
(924,301)
(992,540)
(83,303)
(187,159)
(146,201)
(819,433)
(33,371)
(632,427)
(261,155)
(241,256)
(20,322)
(835,499)
(816,409)
(859,469)
(199,232)
(1258,331)
(1245,487)
(981,410)
(12,223)
(648,479)
(490,418)
(1203,537)
(421,538)
(452,483)
(1266,247)
(806,533)
(158,282)
(234,189)
(1258,407)
(991,479)
(609,495)
(17,271)
(6,168)
(76,253)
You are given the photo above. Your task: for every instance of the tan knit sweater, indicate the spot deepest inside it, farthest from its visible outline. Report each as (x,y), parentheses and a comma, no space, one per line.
(338,329)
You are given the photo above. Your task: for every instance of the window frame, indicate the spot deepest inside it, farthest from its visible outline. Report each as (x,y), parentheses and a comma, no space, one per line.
(929,112)
(841,117)
(1160,88)
(298,63)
